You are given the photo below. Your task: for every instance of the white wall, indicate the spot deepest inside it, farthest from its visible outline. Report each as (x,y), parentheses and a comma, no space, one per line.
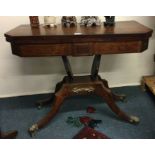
(22,76)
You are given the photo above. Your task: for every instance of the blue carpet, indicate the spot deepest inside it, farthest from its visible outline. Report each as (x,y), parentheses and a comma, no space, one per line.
(21,112)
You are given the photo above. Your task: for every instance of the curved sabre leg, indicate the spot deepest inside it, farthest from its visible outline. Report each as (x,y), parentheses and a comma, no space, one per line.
(49,116)
(108,97)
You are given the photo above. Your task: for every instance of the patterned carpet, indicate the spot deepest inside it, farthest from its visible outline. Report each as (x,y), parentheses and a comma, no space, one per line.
(21,112)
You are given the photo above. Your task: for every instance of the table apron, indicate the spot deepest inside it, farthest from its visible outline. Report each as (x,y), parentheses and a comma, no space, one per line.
(79,49)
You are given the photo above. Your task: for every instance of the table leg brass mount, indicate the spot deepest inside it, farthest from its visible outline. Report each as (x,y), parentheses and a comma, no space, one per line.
(81,85)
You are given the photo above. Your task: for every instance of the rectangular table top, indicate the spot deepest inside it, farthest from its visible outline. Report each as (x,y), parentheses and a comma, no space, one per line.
(120,28)
(124,37)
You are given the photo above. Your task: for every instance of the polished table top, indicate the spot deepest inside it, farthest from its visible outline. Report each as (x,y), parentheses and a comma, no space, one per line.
(124,37)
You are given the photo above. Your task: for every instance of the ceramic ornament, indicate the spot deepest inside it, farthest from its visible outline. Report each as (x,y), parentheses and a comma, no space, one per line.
(50,21)
(69,21)
(89,21)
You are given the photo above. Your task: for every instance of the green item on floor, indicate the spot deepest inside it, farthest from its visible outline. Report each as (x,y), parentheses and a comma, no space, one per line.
(74,121)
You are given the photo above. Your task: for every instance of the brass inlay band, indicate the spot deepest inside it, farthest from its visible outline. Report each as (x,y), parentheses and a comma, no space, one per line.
(83,89)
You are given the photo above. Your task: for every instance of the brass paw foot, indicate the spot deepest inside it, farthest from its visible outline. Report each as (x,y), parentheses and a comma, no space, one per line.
(39,105)
(121,98)
(33,129)
(134,119)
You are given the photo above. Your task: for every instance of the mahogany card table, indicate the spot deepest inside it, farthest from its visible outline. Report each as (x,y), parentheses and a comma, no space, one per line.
(123,37)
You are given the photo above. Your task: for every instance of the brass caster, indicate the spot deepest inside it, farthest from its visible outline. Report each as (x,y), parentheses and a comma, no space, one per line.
(32,130)
(41,103)
(122,98)
(39,107)
(134,120)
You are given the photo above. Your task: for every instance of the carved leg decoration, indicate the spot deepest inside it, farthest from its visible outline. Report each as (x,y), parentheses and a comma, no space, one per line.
(59,97)
(9,135)
(105,93)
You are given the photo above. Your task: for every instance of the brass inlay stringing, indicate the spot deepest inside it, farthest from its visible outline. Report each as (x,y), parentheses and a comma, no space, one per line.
(83,89)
